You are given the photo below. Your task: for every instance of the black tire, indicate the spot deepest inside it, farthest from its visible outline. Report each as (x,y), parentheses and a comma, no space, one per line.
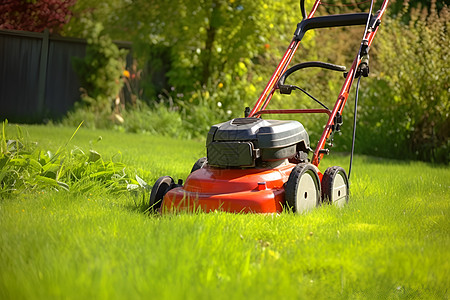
(302,191)
(159,189)
(200,163)
(335,189)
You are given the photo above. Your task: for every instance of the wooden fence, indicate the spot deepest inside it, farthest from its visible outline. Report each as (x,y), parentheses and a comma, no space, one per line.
(37,80)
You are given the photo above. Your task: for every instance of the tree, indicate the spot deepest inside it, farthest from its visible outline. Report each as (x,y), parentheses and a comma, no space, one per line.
(100,70)
(35,15)
(108,13)
(210,38)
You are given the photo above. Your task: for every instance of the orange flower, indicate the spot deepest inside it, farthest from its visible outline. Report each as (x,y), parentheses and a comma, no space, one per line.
(126,73)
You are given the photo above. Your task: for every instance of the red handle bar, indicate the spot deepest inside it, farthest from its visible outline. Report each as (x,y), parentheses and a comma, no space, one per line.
(307,24)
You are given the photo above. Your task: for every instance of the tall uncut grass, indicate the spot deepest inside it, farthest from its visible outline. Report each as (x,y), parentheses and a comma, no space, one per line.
(390,242)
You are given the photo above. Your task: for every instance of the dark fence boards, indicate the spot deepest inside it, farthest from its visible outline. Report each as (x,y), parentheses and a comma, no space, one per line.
(37,80)
(62,84)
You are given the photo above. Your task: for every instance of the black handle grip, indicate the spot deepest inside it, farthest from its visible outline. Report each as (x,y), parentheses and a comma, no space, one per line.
(309,64)
(330,21)
(302,8)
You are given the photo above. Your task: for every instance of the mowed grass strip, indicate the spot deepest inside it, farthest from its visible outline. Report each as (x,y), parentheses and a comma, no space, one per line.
(391,241)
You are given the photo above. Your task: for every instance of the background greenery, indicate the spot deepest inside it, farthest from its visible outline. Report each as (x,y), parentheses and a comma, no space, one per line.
(202,62)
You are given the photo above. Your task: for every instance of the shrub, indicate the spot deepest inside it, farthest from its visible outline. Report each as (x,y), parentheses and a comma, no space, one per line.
(407,104)
(100,71)
(159,120)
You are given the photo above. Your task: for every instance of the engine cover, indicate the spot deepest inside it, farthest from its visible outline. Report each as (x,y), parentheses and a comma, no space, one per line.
(242,142)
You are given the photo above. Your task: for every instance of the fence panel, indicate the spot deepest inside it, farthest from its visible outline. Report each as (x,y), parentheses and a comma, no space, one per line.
(37,80)
(62,84)
(19,71)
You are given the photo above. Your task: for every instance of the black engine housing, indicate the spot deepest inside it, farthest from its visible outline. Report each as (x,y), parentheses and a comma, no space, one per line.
(248,142)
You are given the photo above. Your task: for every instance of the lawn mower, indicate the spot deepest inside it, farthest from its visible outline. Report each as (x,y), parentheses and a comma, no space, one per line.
(256,165)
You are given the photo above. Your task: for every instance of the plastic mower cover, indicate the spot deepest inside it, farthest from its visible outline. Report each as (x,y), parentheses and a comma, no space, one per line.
(243,142)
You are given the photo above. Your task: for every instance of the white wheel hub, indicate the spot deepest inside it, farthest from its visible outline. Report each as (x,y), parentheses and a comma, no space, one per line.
(339,191)
(306,193)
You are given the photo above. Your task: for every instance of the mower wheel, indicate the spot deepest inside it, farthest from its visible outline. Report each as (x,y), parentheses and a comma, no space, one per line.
(302,191)
(335,186)
(200,163)
(159,189)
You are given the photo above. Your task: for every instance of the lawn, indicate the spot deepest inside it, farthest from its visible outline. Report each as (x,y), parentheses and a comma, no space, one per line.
(390,242)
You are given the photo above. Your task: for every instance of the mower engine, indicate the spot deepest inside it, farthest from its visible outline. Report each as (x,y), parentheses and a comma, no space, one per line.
(255,142)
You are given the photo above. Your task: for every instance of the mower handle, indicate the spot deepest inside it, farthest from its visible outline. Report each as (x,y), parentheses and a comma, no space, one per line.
(309,64)
(302,8)
(331,21)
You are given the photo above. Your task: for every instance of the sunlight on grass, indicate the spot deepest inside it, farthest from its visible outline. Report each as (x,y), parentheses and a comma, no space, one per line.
(390,242)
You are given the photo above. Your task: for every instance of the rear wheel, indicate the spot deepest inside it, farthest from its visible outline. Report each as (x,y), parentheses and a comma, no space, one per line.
(200,163)
(159,189)
(335,186)
(302,192)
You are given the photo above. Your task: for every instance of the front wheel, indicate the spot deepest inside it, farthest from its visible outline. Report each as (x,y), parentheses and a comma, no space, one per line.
(159,189)
(302,192)
(335,189)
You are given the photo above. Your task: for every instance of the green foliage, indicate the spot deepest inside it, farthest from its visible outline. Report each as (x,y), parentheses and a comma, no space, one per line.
(159,120)
(210,59)
(407,105)
(404,105)
(100,71)
(216,103)
(25,167)
(90,117)
(107,12)
(395,7)
(214,55)
(208,40)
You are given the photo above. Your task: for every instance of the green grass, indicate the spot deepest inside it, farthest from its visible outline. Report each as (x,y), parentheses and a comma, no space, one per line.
(390,242)
(150,154)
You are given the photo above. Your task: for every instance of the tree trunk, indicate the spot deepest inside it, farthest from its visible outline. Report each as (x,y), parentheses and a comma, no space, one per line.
(209,43)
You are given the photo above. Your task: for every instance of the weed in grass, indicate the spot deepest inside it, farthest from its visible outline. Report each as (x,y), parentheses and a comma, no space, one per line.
(26,167)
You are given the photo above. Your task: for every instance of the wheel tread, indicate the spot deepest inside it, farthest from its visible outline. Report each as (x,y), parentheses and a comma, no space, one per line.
(159,189)
(327,182)
(294,178)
